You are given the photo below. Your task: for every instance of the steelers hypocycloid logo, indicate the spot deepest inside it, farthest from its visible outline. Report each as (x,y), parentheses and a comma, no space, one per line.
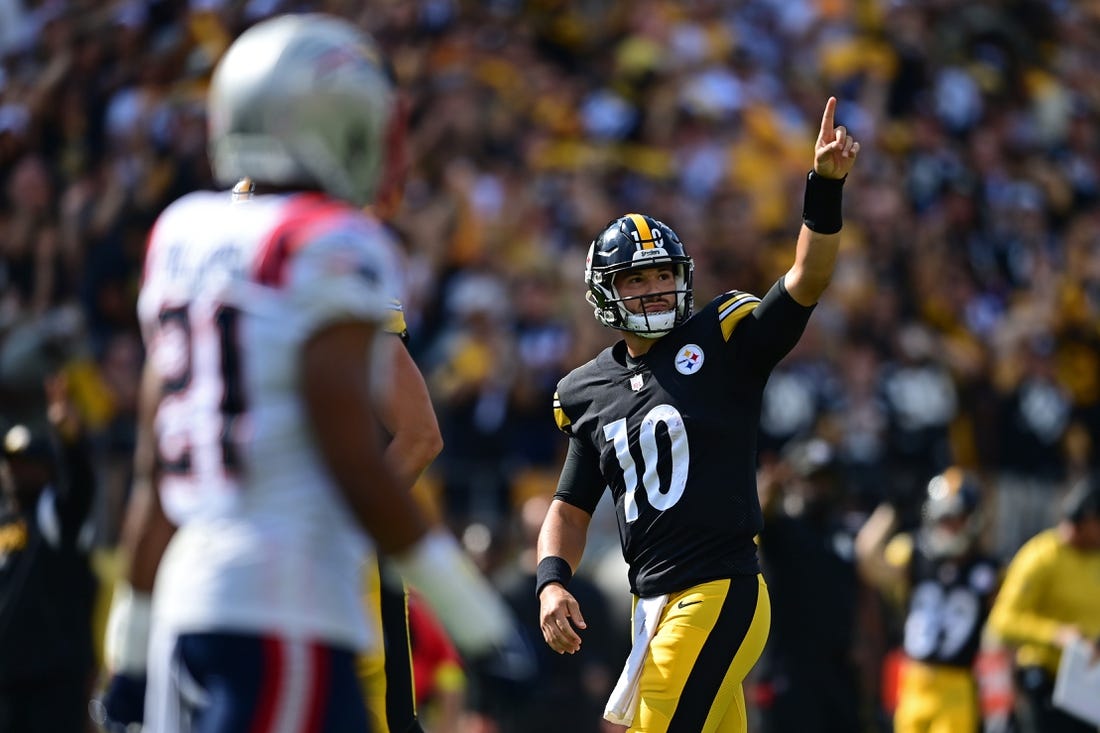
(689,359)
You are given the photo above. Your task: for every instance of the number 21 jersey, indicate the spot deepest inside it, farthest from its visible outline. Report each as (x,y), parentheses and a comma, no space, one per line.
(231,292)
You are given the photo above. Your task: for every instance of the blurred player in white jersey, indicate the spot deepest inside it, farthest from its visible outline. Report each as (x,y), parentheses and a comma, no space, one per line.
(259,452)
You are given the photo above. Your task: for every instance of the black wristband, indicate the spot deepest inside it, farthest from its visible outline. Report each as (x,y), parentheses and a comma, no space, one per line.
(552,569)
(821,204)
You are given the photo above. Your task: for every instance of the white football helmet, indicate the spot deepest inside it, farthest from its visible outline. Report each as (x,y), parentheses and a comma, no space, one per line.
(301,100)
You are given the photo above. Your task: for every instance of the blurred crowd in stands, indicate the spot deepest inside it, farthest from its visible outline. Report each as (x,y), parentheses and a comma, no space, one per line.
(962,326)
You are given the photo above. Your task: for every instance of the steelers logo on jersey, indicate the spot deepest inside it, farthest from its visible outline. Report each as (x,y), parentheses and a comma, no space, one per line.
(689,360)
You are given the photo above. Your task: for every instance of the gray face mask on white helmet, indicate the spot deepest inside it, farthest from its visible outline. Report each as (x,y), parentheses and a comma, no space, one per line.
(301,101)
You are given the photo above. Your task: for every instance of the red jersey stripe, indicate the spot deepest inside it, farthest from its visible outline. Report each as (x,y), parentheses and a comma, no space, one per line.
(304,216)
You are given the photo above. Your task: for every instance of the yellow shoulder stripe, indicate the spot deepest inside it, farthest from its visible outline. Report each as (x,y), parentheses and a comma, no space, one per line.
(395,321)
(560,417)
(733,309)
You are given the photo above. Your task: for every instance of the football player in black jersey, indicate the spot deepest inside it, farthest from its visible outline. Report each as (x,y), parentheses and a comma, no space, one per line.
(667,419)
(408,420)
(946,586)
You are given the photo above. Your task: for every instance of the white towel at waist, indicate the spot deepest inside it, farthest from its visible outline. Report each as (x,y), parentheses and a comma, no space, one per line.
(623,703)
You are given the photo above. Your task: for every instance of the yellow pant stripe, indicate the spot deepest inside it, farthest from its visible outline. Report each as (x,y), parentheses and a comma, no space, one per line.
(707,640)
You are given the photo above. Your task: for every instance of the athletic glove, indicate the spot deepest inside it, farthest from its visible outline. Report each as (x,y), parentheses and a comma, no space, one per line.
(122,707)
(126,648)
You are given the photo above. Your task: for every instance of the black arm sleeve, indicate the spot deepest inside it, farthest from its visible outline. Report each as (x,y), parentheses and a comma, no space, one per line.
(772,330)
(75,485)
(581,483)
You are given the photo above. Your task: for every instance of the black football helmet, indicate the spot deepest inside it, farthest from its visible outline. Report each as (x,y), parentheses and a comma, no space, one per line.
(950,516)
(636,241)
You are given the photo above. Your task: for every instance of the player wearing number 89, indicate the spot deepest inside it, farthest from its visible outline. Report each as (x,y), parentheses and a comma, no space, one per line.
(260,459)
(667,419)
(945,586)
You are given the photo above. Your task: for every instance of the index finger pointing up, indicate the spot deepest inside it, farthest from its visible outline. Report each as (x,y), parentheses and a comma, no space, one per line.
(827,119)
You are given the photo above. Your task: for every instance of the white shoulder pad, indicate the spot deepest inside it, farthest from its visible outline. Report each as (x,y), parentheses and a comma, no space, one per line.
(345,274)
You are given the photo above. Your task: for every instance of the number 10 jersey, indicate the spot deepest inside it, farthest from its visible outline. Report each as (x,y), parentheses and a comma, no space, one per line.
(673,435)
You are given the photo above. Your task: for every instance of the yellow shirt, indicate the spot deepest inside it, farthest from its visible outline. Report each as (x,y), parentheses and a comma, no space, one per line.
(1048,584)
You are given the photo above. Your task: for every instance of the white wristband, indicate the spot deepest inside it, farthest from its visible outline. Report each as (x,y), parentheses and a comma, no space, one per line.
(126,641)
(471,610)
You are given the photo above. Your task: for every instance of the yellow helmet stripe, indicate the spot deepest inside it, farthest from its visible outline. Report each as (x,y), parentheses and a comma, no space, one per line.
(644,234)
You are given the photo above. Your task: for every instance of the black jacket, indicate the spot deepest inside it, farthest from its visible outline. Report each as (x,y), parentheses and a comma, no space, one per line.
(47,589)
